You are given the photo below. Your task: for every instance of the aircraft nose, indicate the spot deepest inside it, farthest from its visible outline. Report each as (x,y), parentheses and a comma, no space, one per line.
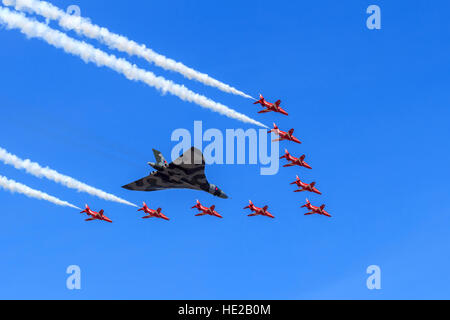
(223,195)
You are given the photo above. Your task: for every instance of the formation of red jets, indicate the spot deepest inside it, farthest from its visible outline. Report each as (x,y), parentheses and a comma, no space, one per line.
(203,211)
(293,161)
(256,211)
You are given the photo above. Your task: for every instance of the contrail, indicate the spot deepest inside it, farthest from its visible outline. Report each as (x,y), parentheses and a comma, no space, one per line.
(15,187)
(88,53)
(36,170)
(84,27)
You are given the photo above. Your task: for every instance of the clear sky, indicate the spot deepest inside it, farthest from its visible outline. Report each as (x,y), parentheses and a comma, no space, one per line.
(372,107)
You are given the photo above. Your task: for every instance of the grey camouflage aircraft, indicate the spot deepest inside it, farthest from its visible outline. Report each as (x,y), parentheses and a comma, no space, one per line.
(187,172)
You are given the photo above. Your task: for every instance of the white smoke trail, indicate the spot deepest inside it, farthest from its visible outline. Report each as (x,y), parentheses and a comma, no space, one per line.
(84,27)
(15,187)
(88,53)
(36,170)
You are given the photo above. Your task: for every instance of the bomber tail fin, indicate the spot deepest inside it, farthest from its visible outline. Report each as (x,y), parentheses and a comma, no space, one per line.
(160,160)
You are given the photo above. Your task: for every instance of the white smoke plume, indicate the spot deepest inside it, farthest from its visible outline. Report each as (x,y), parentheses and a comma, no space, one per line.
(84,27)
(36,170)
(15,187)
(88,53)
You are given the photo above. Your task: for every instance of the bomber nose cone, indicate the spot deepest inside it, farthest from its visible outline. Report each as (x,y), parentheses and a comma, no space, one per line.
(223,195)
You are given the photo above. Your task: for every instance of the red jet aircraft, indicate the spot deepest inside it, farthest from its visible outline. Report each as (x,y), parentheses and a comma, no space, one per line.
(206,211)
(259,211)
(288,136)
(315,210)
(95,215)
(271,107)
(306,187)
(295,161)
(152,213)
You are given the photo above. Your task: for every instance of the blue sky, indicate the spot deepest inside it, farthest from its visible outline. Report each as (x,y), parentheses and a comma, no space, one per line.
(370,106)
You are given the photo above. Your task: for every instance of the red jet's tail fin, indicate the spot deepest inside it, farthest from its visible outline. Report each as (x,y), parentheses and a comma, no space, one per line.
(265,208)
(291,132)
(278,103)
(101,212)
(85,210)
